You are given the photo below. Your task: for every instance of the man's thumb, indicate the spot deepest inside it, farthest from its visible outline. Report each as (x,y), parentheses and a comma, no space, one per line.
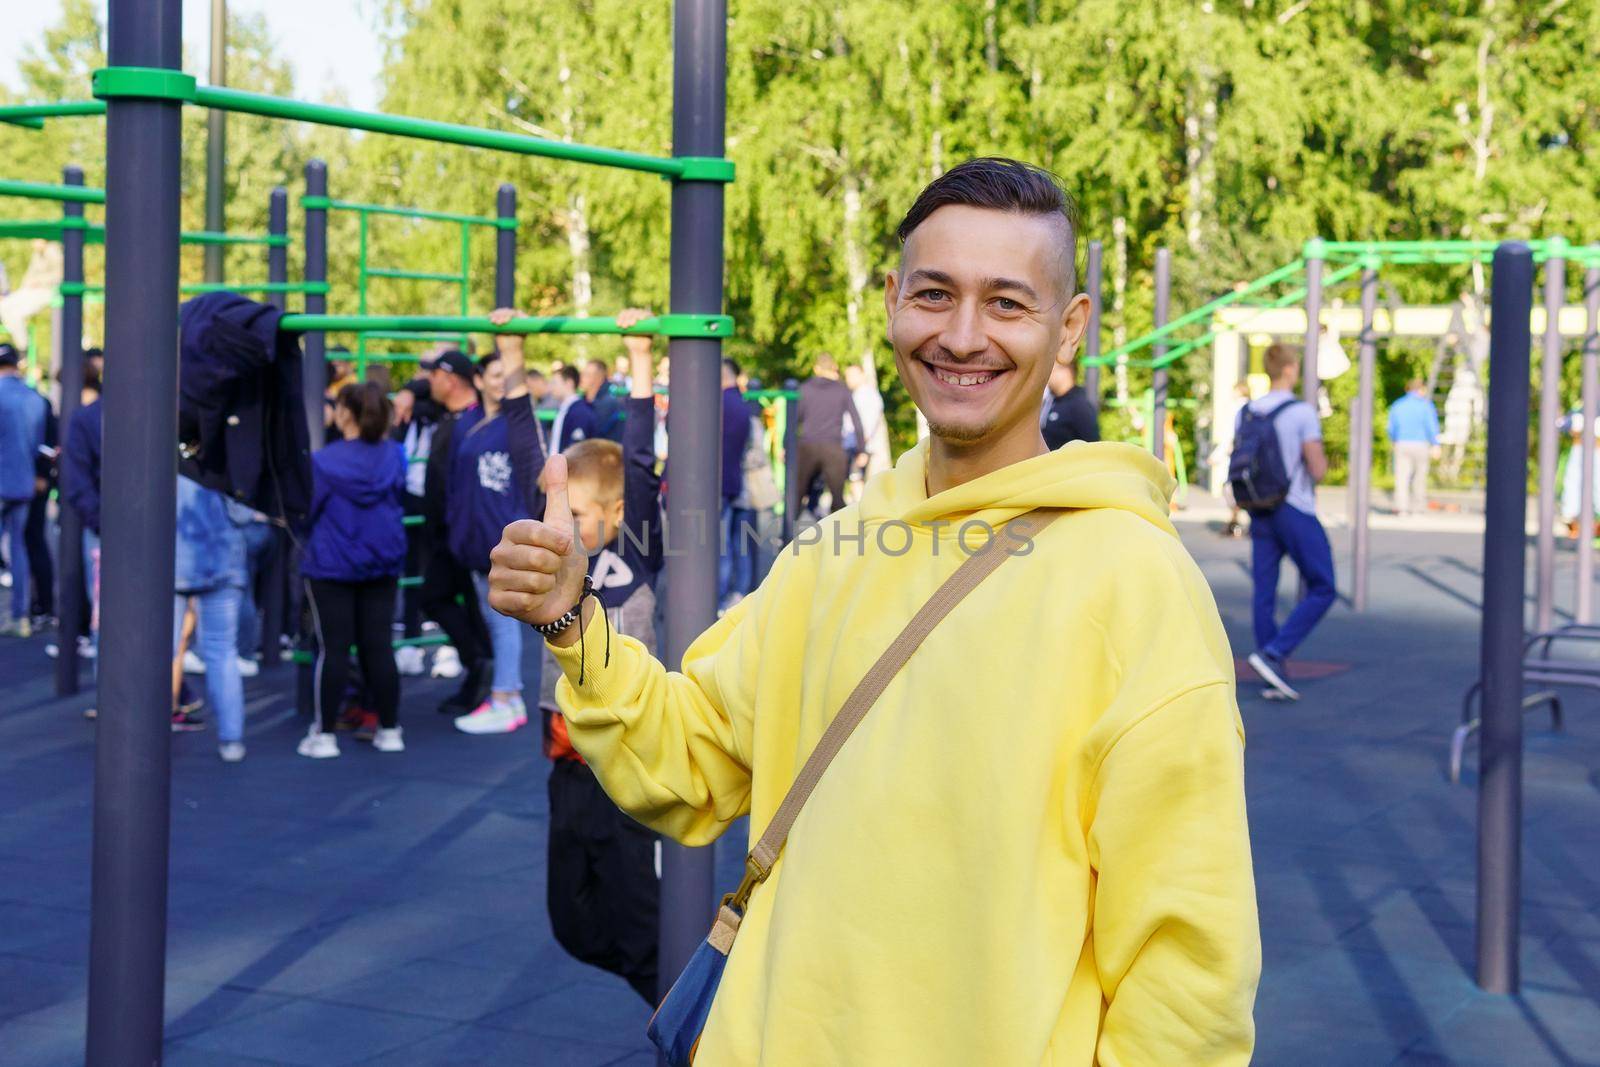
(557,512)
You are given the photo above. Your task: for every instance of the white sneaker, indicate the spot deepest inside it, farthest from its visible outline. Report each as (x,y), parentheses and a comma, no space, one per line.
(192,663)
(248,668)
(446,663)
(409,660)
(86,649)
(492,718)
(388,740)
(318,745)
(231,751)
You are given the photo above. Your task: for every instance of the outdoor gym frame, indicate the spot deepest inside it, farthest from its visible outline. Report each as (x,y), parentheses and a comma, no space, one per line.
(144,92)
(73,232)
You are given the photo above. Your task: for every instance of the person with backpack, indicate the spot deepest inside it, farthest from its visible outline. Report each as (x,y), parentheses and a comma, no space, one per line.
(1276,465)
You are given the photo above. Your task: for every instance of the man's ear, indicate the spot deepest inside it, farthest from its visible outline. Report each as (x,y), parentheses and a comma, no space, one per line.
(1074,323)
(891,296)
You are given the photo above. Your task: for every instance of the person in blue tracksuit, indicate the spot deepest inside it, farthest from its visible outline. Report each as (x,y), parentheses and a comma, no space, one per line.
(494,478)
(352,564)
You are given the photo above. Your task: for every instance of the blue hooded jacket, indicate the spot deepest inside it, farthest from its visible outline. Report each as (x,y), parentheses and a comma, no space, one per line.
(356,492)
(80,464)
(22,419)
(494,480)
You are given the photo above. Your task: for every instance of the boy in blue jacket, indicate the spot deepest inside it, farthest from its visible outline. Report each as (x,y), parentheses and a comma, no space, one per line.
(602,888)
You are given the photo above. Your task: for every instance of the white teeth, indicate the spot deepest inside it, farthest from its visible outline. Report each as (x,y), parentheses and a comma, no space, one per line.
(961,379)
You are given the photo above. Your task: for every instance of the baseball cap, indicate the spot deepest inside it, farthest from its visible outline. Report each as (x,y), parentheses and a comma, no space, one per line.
(9,356)
(457,363)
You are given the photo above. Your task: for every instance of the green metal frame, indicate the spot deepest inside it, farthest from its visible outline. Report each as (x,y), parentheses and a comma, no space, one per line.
(447,326)
(158,84)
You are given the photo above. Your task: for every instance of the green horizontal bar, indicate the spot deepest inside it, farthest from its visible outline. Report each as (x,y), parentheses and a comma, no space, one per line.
(1294,296)
(1198,314)
(410,583)
(412,520)
(407,335)
(51,230)
(209,237)
(772,394)
(79,289)
(326,204)
(320,288)
(33,115)
(74,194)
(414,275)
(1385,248)
(666,325)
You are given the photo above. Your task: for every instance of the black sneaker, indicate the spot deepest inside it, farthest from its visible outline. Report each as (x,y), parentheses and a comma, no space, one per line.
(1272,671)
(187,721)
(473,692)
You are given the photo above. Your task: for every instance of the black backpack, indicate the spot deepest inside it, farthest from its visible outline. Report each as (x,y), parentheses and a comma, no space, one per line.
(1256,470)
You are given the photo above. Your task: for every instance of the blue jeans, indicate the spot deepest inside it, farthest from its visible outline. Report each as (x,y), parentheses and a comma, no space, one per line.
(736,564)
(217,642)
(14,525)
(91,585)
(257,547)
(505,638)
(1289,531)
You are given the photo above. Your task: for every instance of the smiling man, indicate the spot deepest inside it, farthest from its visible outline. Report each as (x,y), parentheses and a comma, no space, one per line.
(1033,849)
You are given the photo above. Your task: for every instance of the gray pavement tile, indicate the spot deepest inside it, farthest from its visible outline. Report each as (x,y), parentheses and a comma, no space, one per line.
(476,1046)
(437,989)
(594,1006)
(27,985)
(306,1033)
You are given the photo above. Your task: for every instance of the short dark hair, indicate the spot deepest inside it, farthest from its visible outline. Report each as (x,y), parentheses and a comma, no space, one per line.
(569,372)
(485,360)
(731,365)
(999,184)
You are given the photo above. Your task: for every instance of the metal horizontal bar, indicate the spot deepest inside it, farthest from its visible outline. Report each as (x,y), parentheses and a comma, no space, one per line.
(415,275)
(410,583)
(49,230)
(33,115)
(407,335)
(412,520)
(666,325)
(79,288)
(1200,313)
(258,287)
(210,237)
(74,194)
(772,394)
(430,130)
(327,204)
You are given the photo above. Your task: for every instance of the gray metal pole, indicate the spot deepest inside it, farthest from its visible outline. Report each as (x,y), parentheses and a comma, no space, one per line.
(133,742)
(314,382)
(69,547)
(1361,442)
(793,491)
(1504,549)
(1091,340)
(1308,367)
(217,141)
(1591,387)
(1158,379)
(694,420)
(505,248)
(278,255)
(1555,294)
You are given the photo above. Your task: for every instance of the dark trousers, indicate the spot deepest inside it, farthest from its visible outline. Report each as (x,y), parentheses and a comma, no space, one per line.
(40,563)
(602,890)
(354,613)
(829,460)
(411,595)
(449,599)
(1288,531)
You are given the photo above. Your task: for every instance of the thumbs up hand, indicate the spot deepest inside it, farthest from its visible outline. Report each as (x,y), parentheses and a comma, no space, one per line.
(538,566)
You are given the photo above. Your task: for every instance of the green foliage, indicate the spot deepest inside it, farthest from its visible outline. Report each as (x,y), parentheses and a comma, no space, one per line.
(1228,130)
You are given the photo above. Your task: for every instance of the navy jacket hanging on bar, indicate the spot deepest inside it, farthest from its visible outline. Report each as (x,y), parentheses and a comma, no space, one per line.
(241,423)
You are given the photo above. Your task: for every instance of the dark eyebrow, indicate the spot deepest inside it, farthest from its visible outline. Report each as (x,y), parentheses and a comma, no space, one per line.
(939,277)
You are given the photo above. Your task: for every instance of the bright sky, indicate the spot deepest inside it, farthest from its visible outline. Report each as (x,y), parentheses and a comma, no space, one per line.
(330,43)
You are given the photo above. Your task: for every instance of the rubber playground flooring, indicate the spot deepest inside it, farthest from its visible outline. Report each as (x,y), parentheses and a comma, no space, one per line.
(390,909)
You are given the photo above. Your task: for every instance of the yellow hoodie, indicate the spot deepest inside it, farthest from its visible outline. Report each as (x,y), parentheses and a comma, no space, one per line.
(1032,850)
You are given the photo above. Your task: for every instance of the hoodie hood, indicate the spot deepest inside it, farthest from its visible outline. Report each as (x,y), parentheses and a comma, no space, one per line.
(361,471)
(1080,475)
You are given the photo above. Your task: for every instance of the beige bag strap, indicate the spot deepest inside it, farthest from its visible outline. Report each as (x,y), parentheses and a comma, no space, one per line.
(973,570)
